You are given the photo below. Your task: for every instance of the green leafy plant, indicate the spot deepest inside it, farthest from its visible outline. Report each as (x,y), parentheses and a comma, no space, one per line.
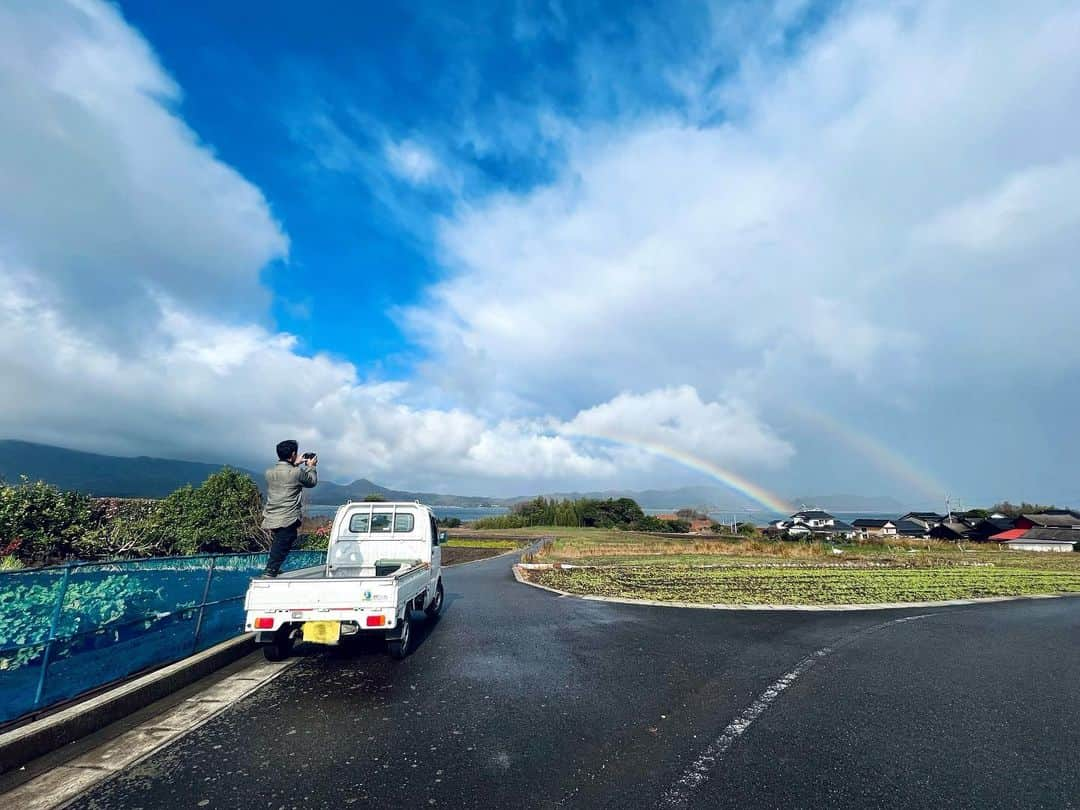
(40,522)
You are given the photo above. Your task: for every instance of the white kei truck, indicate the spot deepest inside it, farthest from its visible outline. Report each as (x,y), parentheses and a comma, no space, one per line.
(382,563)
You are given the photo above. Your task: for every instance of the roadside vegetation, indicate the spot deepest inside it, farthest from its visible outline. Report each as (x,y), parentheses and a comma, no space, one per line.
(739,570)
(613,513)
(40,524)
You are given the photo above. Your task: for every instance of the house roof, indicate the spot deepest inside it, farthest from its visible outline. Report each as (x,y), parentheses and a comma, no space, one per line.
(909,527)
(1055,519)
(1064,535)
(925,515)
(1009,534)
(959,529)
(872,523)
(995,525)
(836,528)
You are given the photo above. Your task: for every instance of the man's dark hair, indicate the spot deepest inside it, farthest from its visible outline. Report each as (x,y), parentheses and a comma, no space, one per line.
(286,449)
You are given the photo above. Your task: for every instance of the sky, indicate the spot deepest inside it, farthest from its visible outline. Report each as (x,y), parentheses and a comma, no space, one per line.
(791,248)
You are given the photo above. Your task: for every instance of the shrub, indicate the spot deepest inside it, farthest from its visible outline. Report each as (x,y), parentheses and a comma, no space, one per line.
(317,539)
(122,528)
(39,522)
(221,514)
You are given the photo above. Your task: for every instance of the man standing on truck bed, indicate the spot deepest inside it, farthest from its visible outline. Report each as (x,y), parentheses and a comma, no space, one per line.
(284,483)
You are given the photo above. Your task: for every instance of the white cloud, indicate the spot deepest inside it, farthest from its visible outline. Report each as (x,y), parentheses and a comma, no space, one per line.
(1034,206)
(854,234)
(788,245)
(108,197)
(412,161)
(677,419)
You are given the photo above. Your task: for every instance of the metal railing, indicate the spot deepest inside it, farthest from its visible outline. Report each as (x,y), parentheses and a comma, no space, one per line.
(70,629)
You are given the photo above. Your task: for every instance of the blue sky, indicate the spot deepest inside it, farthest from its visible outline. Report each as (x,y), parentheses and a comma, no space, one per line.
(501,248)
(302,101)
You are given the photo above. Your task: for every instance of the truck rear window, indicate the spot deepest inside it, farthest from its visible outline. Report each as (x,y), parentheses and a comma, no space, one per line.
(380,523)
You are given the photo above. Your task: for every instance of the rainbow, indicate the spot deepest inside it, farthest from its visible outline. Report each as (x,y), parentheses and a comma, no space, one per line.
(881,456)
(763,497)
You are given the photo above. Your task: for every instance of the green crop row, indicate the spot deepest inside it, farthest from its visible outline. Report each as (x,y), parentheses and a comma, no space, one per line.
(820,586)
(468,542)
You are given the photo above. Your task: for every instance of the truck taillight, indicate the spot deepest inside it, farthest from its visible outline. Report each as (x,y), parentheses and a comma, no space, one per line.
(264,623)
(376,621)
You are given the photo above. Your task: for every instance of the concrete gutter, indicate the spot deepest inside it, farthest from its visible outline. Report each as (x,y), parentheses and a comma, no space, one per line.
(59,785)
(521,568)
(40,737)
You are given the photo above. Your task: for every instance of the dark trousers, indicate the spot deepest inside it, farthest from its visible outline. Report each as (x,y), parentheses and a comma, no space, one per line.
(284,540)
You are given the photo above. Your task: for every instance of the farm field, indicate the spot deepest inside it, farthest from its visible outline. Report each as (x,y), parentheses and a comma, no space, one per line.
(457,550)
(757,571)
(806,585)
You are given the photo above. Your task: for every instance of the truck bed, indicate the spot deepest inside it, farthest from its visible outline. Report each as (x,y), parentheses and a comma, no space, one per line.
(310,590)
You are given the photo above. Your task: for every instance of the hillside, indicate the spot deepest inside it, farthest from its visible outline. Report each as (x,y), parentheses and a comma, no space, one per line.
(330,494)
(702,497)
(852,503)
(145,477)
(95,474)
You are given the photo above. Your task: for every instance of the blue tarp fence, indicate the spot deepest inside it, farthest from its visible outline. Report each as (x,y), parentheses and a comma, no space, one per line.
(69,629)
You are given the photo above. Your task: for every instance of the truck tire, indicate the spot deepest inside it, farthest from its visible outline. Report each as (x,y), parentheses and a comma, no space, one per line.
(435,608)
(281,647)
(399,647)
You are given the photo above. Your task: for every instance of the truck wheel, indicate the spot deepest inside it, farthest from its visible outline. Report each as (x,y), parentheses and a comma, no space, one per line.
(281,647)
(399,647)
(435,608)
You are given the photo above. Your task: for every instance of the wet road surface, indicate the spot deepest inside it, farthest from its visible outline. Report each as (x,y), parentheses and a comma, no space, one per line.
(518,698)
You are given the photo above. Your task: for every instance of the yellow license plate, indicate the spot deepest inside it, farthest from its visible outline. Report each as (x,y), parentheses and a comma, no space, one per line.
(322,632)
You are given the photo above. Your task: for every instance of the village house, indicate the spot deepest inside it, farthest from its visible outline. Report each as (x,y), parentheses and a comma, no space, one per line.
(951,530)
(1039,539)
(986,528)
(927,520)
(810,522)
(873,527)
(911,528)
(1056,519)
(699,523)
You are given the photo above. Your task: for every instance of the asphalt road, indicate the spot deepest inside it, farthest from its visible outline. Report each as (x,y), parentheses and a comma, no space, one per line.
(518,698)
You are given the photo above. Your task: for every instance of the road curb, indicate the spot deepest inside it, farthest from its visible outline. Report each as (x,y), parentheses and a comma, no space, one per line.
(520,577)
(40,737)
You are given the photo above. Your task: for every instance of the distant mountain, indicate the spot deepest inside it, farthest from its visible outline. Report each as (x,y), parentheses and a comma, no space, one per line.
(144,477)
(852,503)
(105,476)
(715,499)
(330,494)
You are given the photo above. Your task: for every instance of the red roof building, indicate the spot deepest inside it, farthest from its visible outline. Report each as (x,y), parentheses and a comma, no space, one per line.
(1011,534)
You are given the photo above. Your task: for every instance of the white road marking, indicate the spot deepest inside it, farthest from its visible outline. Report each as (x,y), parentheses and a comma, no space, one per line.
(678,795)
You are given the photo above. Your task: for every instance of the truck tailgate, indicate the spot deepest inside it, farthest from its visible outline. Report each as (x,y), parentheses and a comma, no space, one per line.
(325,593)
(312,594)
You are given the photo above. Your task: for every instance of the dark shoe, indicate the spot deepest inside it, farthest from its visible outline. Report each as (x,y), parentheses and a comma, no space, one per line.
(270,574)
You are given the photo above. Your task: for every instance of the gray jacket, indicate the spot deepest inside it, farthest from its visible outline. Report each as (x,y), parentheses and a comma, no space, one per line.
(284,484)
